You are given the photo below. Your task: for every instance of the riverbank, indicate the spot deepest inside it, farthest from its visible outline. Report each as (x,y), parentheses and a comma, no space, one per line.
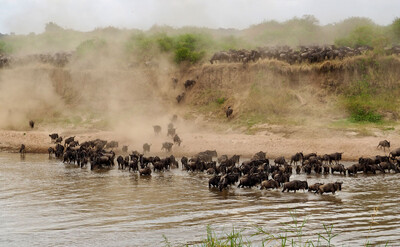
(271,141)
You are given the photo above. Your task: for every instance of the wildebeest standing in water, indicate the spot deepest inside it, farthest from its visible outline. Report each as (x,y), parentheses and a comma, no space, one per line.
(32,124)
(157,129)
(384,144)
(229,112)
(22,150)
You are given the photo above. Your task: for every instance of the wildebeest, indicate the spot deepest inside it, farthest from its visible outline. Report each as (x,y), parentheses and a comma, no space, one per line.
(329,187)
(229,111)
(338,168)
(112,144)
(125,148)
(177,140)
(145,171)
(220,56)
(32,124)
(59,140)
(22,149)
(171,132)
(69,140)
(280,160)
(296,158)
(269,184)
(295,185)
(53,136)
(51,151)
(157,129)
(146,148)
(180,97)
(189,84)
(167,146)
(384,144)
(314,187)
(393,154)
(335,157)
(214,181)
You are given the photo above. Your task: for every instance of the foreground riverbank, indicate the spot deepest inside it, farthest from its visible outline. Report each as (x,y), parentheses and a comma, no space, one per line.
(275,144)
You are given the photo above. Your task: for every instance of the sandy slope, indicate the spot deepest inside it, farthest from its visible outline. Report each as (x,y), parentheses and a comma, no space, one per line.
(275,144)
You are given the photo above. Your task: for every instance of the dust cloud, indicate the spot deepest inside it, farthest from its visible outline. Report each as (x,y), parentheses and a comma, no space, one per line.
(101,90)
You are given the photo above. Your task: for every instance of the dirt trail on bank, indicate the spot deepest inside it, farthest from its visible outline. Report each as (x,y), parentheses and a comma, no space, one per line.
(275,144)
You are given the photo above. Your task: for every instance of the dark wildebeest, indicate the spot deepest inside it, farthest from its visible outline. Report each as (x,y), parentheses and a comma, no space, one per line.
(51,151)
(125,148)
(59,140)
(120,162)
(220,56)
(145,171)
(189,84)
(180,97)
(314,187)
(171,132)
(296,158)
(335,157)
(280,160)
(330,187)
(338,168)
(177,140)
(32,124)
(295,185)
(229,111)
(394,153)
(167,146)
(384,144)
(69,140)
(146,148)
(269,184)
(214,181)
(53,136)
(157,129)
(22,149)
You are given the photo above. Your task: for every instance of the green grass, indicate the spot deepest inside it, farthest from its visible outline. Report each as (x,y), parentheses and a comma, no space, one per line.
(290,234)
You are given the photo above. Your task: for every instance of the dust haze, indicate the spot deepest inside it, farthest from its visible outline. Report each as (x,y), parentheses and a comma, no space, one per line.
(100,90)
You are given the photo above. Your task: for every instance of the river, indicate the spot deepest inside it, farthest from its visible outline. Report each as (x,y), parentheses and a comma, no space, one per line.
(44,202)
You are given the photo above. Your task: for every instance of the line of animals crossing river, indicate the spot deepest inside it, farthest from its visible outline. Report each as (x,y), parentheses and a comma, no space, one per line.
(224,171)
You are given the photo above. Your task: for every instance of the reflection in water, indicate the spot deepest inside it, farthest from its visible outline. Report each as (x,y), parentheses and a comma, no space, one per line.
(44,202)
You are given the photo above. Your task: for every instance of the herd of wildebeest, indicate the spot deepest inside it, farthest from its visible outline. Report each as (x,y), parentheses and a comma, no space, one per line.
(224,171)
(303,54)
(307,54)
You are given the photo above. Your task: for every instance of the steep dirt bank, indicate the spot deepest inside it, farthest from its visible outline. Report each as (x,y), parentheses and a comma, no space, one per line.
(285,108)
(274,92)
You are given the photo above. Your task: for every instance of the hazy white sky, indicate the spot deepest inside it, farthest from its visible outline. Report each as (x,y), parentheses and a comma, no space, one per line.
(24,16)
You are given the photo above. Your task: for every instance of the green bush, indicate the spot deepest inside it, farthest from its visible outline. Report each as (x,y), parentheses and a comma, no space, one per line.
(5,48)
(90,46)
(362,102)
(188,48)
(185,47)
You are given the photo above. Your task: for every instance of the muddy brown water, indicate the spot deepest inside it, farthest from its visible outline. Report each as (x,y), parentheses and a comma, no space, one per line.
(44,202)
